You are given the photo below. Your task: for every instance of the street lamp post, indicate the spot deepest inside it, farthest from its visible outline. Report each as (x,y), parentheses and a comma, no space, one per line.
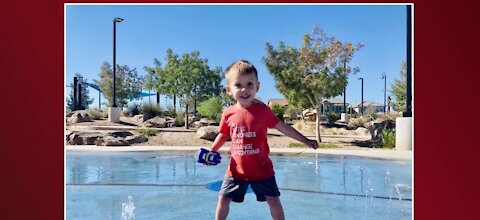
(404,125)
(114,111)
(361,104)
(115,20)
(345,88)
(384,77)
(344,115)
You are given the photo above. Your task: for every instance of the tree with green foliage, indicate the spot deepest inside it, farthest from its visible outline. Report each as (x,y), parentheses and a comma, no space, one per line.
(163,79)
(279,111)
(85,99)
(227,99)
(313,72)
(293,111)
(128,83)
(211,108)
(151,78)
(188,77)
(209,84)
(399,89)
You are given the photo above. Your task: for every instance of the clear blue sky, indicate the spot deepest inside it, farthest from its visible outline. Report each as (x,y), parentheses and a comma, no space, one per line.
(225,33)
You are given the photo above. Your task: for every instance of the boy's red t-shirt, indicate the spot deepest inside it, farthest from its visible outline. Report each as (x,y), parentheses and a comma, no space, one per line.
(249,148)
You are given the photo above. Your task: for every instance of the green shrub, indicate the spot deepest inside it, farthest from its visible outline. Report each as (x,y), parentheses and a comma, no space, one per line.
(321,145)
(170,111)
(388,139)
(327,145)
(180,119)
(151,110)
(357,122)
(147,131)
(372,115)
(333,117)
(296,144)
(279,111)
(304,127)
(95,113)
(390,116)
(210,108)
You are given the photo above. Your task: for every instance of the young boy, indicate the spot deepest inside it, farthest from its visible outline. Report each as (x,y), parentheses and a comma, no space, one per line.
(246,122)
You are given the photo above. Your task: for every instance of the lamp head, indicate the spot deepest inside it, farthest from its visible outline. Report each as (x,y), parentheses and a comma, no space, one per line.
(118,19)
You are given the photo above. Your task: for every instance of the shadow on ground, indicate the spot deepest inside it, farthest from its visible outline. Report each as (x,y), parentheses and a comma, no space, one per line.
(367,143)
(127,123)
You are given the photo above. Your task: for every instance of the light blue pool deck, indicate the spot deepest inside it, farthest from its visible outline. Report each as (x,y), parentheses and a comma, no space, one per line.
(171,185)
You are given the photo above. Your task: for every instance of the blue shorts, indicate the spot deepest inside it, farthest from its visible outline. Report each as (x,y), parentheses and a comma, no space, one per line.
(236,189)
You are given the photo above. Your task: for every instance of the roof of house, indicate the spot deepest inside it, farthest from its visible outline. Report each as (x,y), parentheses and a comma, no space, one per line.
(281,102)
(367,104)
(334,101)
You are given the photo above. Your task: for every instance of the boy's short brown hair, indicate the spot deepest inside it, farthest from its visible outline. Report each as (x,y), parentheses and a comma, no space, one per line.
(241,67)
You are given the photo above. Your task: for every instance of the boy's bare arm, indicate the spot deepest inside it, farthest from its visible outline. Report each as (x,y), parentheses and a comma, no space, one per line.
(219,141)
(291,132)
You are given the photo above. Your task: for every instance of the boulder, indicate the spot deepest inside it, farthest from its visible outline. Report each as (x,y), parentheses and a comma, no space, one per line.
(67,134)
(208,132)
(212,122)
(170,122)
(138,119)
(122,134)
(79,117)
(198,124)
(361,131)
(111,141)
(83,138)
(194,118)
(147,117)
(156,122)
(376,130)
(136,139)
(204,121)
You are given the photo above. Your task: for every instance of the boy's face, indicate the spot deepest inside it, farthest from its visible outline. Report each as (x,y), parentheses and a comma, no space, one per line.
(242,87)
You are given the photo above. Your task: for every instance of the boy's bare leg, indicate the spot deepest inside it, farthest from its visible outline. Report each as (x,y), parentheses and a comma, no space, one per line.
(223,207)
(276,208)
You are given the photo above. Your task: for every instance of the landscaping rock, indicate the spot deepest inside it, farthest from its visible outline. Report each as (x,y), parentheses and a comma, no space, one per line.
(208,122)
(67,134)
(122,134)
(208,132)
(136,139)
(147,117)
(83,138)
(376,130)
(204,121)
(212,122)
(170,122)
(361,131)
(194,118)
(80,116)
(138,118)
(198,124)
(111,141)
(156,122)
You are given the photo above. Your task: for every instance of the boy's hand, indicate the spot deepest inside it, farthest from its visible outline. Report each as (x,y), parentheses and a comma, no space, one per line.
(311,143)
(207,157)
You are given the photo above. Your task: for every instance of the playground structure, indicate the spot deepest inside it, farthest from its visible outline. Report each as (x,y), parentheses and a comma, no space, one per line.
(78,84)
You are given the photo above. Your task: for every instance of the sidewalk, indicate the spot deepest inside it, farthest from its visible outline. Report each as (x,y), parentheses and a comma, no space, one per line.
(370,153)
